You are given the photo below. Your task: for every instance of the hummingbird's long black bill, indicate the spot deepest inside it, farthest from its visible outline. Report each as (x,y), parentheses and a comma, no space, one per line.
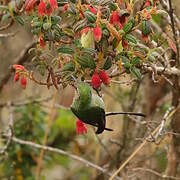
(125,113)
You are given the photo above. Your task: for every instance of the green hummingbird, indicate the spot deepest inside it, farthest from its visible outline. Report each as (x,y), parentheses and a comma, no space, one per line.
(89,107)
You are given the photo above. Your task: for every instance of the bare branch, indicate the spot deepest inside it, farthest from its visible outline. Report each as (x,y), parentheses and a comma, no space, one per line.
(62,152)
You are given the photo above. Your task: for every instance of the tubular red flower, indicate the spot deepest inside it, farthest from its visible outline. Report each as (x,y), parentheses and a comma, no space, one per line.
(18,67)
(53,4)
(41,9)
(104,77)
(81,127)
(41,42)
(114,19)
(16,77)
(95,81)
(97,33)
(93,10)
(147,3)
(48,10)
(23,82)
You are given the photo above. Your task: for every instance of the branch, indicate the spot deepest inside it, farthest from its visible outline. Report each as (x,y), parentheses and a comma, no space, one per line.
(62,152)
(162,70)
(140,146)
(155,173)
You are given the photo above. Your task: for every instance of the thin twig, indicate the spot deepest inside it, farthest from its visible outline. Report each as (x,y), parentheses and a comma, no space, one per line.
(155,173)
(139,148)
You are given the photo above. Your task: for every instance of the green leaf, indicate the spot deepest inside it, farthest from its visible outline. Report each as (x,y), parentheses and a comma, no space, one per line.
(108,63)
(65,50)
(136,72)
(20,20)
(87,62)
(90,16)
(135,61)
(69,66)
(146,28)
(130,38)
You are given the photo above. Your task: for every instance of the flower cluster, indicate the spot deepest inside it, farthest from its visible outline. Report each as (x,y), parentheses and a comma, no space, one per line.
(115,19)
(99,78)
(81,127)
(20,72)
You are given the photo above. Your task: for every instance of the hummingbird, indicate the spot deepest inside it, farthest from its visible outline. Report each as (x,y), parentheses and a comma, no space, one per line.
(89,107)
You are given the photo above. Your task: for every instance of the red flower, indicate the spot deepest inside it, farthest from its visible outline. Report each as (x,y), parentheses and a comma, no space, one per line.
(144,37)
(41,9)
(41,42)
(147,3)
(124,43)
(80,127)
(104,77)
(53,4)
(18,67)
(95,81)
(92,9)
(16,77)
(97,33)
(114,19)
(23,82)
(29,5)
(48,10)
(65,8)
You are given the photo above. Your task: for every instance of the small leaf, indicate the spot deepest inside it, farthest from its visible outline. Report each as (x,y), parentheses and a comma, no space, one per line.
(69,66)
(136,72)
(135,61)
(20,20)
(130,38)
(65,50)
(108,63)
